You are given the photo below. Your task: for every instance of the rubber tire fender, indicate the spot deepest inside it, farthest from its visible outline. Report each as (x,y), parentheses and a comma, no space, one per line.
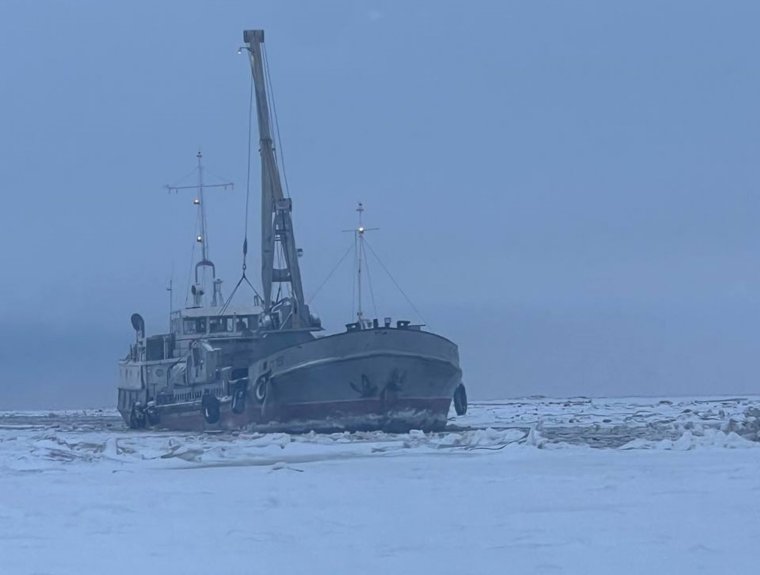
(152,416)
(210,408)
(136,420)
(460,399)
(238,400)
(260,391)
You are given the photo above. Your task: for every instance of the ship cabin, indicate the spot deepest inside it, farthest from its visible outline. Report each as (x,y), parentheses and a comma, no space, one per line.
(202,340)
(191,324)
(215,324)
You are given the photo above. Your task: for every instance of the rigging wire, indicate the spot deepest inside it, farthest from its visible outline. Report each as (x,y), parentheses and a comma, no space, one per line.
(409,301)
(243,277)
(332,271)
(226,305)
(248,177)
(183,178)
(369,277)
(224,181)
(355,282)
(276,122)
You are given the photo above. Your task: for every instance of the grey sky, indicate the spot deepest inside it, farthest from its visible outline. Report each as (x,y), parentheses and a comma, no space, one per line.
(569,190)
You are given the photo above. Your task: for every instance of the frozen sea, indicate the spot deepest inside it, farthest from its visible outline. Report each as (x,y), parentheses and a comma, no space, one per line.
(579,485)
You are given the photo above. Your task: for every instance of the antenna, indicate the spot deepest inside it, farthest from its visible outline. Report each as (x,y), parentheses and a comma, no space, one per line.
(170,289)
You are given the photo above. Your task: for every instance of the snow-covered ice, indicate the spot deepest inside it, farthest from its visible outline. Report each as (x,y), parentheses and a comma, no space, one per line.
(634,485)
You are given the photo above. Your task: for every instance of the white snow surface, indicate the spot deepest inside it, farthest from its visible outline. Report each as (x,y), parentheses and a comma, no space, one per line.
(539,485)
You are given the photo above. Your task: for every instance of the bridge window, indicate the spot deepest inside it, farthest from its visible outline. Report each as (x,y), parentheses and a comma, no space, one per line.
(220,324)
(195,325)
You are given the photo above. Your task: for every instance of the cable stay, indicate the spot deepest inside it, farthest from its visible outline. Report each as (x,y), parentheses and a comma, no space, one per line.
(361,268)
(369,279)
(332,272)
(403,293)
(276,122)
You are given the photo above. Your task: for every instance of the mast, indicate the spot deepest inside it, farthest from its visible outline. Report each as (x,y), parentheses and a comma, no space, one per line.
(198,288)
(202,202)
(276,221)
(359,247)
(170,289)
(359,252)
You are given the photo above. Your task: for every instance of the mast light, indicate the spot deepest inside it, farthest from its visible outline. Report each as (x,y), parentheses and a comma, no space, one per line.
(199,239)
(196,202)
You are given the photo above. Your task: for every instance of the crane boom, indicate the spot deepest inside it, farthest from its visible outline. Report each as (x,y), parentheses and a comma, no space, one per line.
(276,221)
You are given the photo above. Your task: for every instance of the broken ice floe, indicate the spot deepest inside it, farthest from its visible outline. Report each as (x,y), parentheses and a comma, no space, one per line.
(32,441)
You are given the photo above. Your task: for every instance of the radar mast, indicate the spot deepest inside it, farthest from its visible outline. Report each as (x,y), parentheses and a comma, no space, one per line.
(198,288)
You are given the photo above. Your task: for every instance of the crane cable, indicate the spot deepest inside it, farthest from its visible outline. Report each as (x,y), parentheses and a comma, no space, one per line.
(273,119)
(243,277)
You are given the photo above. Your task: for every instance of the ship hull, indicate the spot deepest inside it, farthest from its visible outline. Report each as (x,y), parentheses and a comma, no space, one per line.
(377,379)
(393,380)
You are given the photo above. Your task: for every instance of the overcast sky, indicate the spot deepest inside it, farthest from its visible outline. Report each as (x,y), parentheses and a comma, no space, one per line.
(568,190)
